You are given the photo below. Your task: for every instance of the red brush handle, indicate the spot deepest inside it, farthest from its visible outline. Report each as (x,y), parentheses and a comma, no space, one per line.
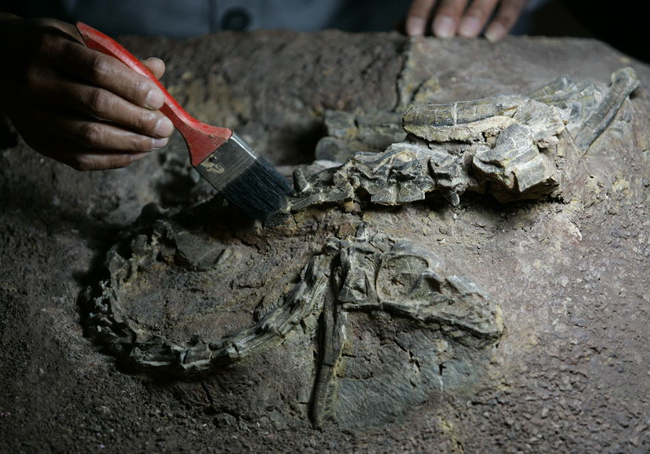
(202,139)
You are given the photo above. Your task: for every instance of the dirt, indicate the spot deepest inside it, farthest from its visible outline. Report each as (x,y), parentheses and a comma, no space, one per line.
(571,373)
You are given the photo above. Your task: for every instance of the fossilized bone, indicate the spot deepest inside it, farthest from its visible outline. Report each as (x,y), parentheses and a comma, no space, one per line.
(375,273)
(363,273)
(512,146)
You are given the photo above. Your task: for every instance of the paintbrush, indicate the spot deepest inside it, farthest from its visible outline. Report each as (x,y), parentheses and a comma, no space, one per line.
(244,178)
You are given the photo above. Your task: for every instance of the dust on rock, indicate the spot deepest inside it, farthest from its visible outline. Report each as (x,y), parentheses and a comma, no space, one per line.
(569,374)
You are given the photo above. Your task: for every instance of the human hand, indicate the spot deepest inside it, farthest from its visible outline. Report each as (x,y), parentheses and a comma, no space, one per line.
(76,105)
(455,17)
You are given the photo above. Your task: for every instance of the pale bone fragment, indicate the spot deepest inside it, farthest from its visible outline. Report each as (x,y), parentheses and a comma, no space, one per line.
(579,98)
(449,172)
(624,82)
(481,146)
(407,171)
(375,273)
(545,122)
(365,272)
(478,121)
(332,339)
(399,175)
(515,167)
(466,121)
(300,182)
(348,133)
(592,108)
(318,189)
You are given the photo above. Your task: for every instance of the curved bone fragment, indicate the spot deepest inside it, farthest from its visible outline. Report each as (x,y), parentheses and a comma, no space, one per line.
(580,99)
(374,273)
(511,146)
(515,167)
(463,120)
(624,82)
(367,273)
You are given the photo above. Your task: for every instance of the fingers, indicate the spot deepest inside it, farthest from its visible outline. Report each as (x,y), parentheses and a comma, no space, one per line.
(51,126)
(83,143)
(418,17)
(476,17)
(445,24)
(53,90)
(465,18)
(76,105)
(69,30)
(155,65)
(82,159)
(89,133)
(505,19)
(107,72)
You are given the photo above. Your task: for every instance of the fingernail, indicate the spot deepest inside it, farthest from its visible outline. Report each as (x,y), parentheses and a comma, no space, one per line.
(155,99)
(157,144)
(137,156)
(469,27)
(444,27)
(164,127)
(495,32)
(415,26)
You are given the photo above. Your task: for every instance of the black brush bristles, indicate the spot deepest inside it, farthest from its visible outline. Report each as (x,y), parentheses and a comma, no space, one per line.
(245,179)
(259,190)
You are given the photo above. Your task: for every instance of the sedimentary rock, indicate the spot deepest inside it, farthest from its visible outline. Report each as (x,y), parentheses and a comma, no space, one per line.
(512,146)
(367,323)
(348,134)
(367,274)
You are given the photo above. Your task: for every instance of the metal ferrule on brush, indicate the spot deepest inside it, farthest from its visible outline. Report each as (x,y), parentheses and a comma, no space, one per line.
(227,163)
(241,176)
(245,179)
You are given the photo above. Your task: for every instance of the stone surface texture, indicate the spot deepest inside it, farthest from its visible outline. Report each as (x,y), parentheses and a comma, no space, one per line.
(543,348)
